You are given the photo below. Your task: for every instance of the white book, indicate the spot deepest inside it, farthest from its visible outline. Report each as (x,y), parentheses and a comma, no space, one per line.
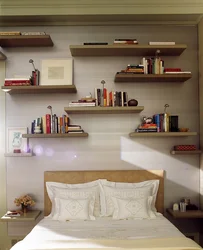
(162,43)
(179,72)
(126,42)
(81,104)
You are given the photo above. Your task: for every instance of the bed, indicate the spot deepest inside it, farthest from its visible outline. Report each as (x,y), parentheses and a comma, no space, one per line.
(107,232)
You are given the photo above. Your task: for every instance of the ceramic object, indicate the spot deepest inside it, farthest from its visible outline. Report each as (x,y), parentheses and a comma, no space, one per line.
(132,102)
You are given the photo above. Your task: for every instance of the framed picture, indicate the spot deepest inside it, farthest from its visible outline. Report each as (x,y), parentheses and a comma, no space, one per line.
(15,139)
(56,72)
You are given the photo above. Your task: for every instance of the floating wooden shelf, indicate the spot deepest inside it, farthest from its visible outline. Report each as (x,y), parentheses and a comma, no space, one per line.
(185,215)
(188,152)
(126,50)
(162,134)
(103,110)
(152,78)
(2,56)
(39,89)
(18,154)
(26,41)
(54,135)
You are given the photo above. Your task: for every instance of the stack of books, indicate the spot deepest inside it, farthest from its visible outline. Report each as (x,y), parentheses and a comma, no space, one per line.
(175,71)
(162,43)
(125,41)
(17,82)
(10,33)
(152,127)
(83,102)
(13,213)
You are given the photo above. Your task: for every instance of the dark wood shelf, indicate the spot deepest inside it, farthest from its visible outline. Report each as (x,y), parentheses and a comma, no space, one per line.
(26,41)
(152,78)
(12,90)
(185,215)
(126,50)
(188,152)
(162,134)
(103,110)
(55,135)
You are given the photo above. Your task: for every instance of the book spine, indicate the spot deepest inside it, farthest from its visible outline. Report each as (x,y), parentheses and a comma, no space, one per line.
(44,130)
(48,124)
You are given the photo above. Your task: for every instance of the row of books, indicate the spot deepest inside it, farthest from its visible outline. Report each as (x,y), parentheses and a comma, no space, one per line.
(19,33)
(147,66)
(52,124)
(113,98)
(161,123)
(131,41)
(33,80)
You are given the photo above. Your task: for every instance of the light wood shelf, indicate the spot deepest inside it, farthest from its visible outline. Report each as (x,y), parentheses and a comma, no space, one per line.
(31,215)
(152,78)
(188,152)
(162,134)
(185,215)
(126,50)
(103,110)
(26,41)
(41,89)
(18,154)
(55,135)
(2,56)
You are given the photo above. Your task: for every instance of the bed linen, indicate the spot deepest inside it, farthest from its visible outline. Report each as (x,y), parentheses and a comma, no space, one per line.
(104,233)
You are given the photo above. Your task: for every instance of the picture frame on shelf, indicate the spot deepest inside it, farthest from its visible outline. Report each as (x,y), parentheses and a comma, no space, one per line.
(14,140)
(57,72)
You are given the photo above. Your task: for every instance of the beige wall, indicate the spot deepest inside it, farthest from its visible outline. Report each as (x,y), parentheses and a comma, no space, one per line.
(200,34)
(3,228)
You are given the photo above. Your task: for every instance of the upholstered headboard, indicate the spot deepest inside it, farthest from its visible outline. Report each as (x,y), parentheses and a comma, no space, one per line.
(74,177)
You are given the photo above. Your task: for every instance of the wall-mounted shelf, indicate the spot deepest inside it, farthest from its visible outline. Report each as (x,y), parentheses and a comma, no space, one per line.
(2,56)
(126,50)
(18,154)
(162,134)
(188,152)
(152,78)
(103,110)
(26,41)
(39,89)
(55,135)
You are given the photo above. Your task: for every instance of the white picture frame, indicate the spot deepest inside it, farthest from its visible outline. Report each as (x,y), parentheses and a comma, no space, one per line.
(56,72)
(15,139)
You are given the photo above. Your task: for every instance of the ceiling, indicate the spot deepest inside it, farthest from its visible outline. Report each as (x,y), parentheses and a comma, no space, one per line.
(97,12)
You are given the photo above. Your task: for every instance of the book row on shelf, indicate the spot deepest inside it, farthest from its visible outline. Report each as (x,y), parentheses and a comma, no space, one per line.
(103,98)
(159,123)
(151,66)
(52,124)
(113,98)
(130,41)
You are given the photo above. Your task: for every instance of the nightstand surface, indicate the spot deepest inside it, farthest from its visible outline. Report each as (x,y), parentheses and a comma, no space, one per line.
(31,215)
(185,215)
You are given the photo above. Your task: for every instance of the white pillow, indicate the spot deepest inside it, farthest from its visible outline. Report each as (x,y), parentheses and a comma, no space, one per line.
(74,209)
(106,194)
(132,208)
(153,183)
(50,186)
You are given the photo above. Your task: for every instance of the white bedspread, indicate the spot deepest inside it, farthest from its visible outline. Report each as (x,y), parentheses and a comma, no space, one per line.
(49,234)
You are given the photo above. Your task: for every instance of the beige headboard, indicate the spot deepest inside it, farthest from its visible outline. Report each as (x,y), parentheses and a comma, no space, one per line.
(74,177)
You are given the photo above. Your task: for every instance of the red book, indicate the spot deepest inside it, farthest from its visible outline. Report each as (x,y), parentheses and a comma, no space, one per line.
(17,84)
(48,123)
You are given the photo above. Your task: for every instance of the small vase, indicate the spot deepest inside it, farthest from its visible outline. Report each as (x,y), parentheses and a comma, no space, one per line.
(24,208)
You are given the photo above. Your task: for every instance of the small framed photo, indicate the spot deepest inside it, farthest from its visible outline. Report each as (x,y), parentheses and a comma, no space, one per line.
(56,72)
(15,141)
